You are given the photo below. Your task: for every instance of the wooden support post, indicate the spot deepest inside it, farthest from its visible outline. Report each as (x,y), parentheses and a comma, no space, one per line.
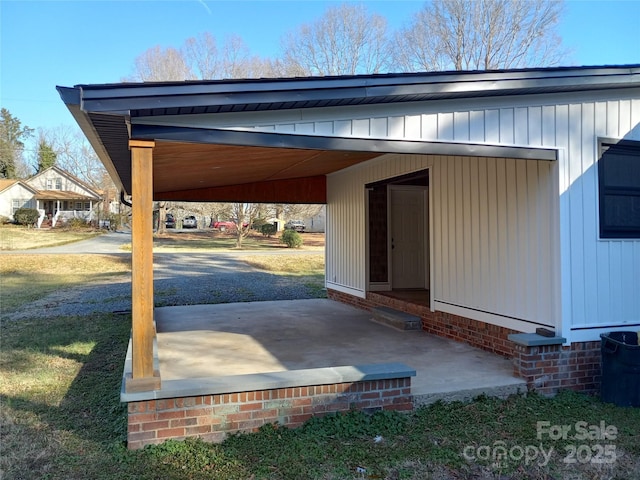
(143,377)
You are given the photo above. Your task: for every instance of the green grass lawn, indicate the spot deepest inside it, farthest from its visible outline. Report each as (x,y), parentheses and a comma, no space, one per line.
(61,418)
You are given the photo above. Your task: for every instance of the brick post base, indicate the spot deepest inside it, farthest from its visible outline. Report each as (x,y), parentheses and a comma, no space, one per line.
(550,368)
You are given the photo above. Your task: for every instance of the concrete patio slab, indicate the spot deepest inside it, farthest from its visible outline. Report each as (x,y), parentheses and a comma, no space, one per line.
(223,340)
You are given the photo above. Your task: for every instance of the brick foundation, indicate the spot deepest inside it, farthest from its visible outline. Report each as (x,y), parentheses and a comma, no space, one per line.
(547,369)
(477,334)
(212,417)
(550,368)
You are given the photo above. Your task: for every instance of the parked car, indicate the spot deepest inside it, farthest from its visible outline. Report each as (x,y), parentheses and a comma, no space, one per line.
(190,222)
(223,226)
(170,221)
(297,225)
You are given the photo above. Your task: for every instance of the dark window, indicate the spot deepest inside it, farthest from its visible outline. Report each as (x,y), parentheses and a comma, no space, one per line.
(619,183)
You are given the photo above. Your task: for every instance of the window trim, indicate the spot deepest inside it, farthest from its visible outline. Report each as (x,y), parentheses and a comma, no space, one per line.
(612,232)
(21,203)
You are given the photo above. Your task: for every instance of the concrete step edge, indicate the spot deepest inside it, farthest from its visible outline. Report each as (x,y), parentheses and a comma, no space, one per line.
(394,318)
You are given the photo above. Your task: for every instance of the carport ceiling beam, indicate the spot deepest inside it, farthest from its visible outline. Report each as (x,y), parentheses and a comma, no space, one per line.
(316,142)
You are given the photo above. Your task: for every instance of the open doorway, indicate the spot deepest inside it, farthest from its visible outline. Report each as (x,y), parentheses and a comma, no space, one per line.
(398,236)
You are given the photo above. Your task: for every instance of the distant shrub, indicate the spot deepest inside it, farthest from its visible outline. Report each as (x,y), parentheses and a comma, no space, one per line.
(77,224)
(268,229)
(26,216)
(291,238)
(258,223)
(4,220)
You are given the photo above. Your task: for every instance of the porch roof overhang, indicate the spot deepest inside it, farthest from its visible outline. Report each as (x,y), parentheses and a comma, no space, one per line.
(213,164)
(63,195)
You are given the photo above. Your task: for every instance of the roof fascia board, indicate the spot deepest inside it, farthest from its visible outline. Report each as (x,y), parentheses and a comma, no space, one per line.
(170,100)
(69,95)
(314,142)
(114,90)
(160,95)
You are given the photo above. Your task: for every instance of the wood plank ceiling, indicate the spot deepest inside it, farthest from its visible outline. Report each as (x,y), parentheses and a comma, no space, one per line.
(219,172)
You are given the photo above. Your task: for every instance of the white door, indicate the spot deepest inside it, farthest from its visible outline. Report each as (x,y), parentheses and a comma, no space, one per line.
(408,237)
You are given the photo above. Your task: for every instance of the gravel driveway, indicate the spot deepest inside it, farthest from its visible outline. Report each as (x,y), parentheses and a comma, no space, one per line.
(179,279)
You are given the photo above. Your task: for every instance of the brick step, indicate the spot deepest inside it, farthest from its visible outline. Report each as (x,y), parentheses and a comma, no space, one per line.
(396,319)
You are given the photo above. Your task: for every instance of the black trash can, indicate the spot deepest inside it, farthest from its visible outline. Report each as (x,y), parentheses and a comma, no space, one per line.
(620,369)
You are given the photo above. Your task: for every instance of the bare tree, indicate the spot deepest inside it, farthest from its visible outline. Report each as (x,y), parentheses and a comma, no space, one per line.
(218,210)
(347,40)
(243,215)
(236,60)
(75,155)
(298,211)
(481,35)
(161,65)
(200,55)
(201,58)
(163,209)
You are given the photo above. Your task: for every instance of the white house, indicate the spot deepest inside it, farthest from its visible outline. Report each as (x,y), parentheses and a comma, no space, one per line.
(15,194)
(54,192)
(316,223)
(507,201)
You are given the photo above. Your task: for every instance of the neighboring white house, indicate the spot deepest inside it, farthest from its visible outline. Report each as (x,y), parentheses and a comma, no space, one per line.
(15,194)
(54,192)
(317,223)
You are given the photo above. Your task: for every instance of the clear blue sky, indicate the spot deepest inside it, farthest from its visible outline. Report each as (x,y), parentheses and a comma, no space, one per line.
(49,43)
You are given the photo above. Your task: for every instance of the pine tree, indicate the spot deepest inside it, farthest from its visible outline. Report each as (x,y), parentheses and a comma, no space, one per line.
(12,134)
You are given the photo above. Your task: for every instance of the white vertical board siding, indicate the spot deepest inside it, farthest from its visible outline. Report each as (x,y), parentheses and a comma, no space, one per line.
(598,279)
(601,277)
(345,233)
(494,238)
(346,220)
(492,234)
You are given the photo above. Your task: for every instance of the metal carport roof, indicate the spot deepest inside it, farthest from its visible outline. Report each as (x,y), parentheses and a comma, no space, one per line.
(226,165)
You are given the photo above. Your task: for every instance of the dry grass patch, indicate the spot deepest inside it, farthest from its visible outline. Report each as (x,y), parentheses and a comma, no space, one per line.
(21,238)
(26,278)
(305,264)
(61,264)
(180,241)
